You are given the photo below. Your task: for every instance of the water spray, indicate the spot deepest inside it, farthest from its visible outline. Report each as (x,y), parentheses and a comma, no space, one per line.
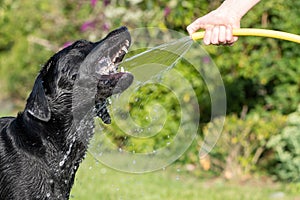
(153,53)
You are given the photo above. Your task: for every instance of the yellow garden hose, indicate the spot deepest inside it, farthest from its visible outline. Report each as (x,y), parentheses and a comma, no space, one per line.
(257,32)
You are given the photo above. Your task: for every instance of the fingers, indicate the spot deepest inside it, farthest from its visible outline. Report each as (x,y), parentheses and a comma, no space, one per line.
(230,38)
(219,34)
(208,35)
(229,34)
(223,35)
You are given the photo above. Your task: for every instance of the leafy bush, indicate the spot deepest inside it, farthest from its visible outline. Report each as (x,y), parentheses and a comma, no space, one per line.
(286,165)
(250,78)
(243,142)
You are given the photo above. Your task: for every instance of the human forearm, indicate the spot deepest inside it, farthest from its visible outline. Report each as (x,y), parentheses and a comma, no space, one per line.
(237,7)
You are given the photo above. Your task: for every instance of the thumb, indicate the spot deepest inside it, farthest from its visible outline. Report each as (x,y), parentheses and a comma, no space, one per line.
(196,25)
(193,27)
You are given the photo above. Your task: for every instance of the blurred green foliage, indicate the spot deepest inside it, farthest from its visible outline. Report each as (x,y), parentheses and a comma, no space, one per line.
(287,149)
(261,75)
(242,148)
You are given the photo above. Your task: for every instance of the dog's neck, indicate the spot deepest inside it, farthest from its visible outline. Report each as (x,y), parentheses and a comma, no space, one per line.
(63,150)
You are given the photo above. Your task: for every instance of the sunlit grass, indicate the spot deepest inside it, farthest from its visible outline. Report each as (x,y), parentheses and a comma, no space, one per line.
(95,181)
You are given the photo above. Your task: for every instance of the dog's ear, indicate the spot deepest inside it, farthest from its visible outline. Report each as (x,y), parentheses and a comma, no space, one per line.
(37,103)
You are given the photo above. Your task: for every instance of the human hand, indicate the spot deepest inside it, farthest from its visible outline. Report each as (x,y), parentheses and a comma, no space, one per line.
(218,26)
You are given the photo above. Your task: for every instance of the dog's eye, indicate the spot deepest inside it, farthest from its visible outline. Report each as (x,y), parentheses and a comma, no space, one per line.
(80,43)
(74,76)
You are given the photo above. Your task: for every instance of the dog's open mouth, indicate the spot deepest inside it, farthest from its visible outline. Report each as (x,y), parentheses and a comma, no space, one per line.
(108,65)
(112,79)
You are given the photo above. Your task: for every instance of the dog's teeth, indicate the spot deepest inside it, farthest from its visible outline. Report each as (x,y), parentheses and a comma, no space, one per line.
(127,43)
(122,69)
(125,49)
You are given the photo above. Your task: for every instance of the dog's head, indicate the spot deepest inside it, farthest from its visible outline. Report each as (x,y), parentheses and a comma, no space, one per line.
(86,61)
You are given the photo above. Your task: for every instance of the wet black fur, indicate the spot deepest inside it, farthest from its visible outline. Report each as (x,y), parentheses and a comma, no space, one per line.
(41,148)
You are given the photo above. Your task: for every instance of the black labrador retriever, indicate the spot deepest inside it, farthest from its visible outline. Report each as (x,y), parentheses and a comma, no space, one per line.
(41,148)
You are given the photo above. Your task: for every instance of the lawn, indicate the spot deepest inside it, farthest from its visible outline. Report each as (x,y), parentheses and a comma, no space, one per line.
(96,181)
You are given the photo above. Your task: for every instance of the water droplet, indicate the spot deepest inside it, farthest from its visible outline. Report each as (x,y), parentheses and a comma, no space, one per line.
(103,171)
(48,195)
(61,163)
(117,96)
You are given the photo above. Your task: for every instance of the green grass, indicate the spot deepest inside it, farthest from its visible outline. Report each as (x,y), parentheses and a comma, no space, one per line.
(95,181)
